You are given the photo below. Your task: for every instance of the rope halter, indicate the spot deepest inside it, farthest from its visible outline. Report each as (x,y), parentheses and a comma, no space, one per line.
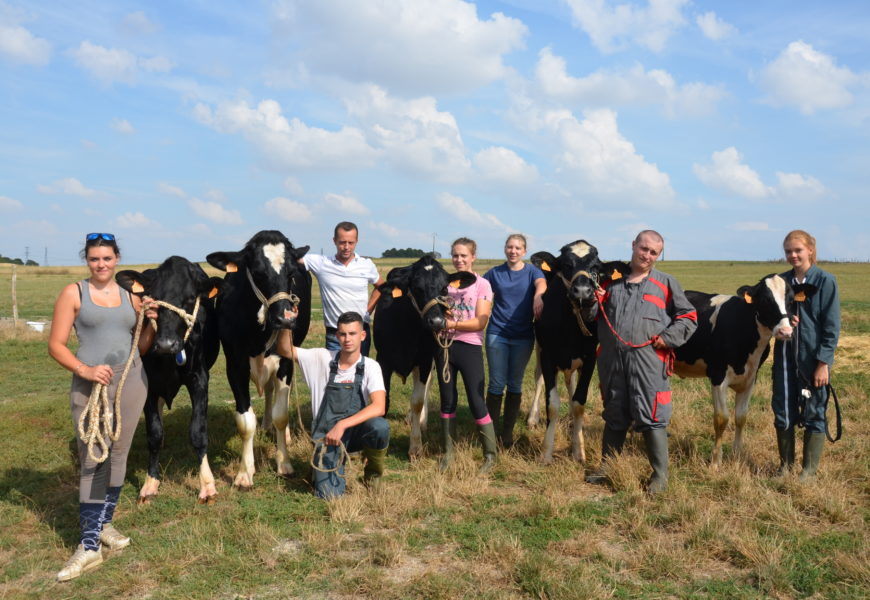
(574,308)
(444,339)
(267,302)
(188,318)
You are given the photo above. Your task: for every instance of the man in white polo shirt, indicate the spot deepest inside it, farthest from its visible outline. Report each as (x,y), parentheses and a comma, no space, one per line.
(344,281)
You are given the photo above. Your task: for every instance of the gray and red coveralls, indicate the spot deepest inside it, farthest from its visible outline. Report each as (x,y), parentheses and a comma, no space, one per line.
(634,381)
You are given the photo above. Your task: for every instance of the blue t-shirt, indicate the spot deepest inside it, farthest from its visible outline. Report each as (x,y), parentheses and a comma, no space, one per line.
(514,292)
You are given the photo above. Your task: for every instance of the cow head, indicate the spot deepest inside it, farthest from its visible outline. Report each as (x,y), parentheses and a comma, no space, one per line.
(270,261)
(581,272)
(423,284)
(178,282)
(773,301)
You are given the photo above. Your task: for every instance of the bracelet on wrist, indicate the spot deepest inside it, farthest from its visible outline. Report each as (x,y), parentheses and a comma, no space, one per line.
(76,370)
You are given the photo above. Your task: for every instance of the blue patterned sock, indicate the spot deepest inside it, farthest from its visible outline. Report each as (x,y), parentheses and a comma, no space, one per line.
(89,521)
(112,495)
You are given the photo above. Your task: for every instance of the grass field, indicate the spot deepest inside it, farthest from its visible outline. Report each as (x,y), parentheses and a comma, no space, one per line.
(528,531)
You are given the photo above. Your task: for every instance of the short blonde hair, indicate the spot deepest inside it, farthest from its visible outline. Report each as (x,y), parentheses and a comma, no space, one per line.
(517,236)
(804,238)
(464,241)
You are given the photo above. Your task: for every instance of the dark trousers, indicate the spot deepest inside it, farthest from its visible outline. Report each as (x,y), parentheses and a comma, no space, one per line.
(466,359)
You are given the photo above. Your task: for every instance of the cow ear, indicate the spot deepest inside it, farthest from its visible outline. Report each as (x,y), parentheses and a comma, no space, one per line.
(396,293)
(803,291)
(299,252)
(614,270)
(461,280)
(546,262)
(225,261)
(134,281)
(745,292)
(211,287)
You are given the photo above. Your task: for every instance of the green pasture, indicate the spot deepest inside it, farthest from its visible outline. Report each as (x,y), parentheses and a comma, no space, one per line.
(528,531)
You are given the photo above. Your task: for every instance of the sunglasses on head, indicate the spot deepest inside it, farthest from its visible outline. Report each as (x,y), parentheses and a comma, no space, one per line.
(109,237)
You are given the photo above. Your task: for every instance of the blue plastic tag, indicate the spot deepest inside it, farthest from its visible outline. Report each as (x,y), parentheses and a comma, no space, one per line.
(180,358)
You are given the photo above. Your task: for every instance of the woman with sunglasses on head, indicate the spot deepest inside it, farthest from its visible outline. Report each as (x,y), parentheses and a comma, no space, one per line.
(104,317)
(469,313)
(802,365)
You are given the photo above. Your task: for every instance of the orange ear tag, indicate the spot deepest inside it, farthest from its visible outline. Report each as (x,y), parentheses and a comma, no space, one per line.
(800,297)
(454,284)
(545,267)
(615,275)
(232,268)
(137,288)
(214,292)
(747,297)
(397,293)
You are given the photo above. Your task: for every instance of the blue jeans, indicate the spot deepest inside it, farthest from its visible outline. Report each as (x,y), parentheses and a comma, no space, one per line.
(332,340)
(507,359)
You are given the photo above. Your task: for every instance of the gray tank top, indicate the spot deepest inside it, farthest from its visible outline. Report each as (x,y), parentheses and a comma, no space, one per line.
(105,334)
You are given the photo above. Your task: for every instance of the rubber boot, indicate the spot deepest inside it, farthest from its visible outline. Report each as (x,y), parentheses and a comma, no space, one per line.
(448,436)
(490,447)
(493,407)
(374,468)
(657,452)
(813,445)
(611,445)
(511,412)
(785,445)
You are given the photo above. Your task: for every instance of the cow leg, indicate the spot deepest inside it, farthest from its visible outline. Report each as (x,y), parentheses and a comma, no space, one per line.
(720,421)
(281,420)
(424,414)
(416,414)
(154,433)
(535,409)
(741,408)
(261,376)
(553,404)
(246,421)
(207,490)
(578,443)
(198,391)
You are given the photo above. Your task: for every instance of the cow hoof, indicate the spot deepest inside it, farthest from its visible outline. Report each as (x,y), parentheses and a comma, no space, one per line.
(415,453)
(546,460)
(532,423)
(243,482)
(285,470)
(207,500)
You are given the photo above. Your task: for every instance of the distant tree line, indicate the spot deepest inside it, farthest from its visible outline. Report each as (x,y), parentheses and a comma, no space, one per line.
(18,261)
(403,253)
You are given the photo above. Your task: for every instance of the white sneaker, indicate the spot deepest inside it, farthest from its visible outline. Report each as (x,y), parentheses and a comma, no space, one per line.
(112,539)
(81,561)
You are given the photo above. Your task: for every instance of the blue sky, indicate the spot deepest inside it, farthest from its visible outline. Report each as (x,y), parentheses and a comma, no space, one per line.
(185,127)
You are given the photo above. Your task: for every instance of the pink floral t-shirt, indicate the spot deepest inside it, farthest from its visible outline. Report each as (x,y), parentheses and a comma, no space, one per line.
(463,303)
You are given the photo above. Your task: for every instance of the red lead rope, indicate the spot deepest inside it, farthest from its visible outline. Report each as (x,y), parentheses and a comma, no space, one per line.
(670,355)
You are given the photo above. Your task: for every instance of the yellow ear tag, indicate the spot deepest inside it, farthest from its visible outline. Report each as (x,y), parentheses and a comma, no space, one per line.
(800,297)
(232,268)
(615,275)
(213,292)
(137,288)
(545,267)
(747,297)
(397,293)
(454,284)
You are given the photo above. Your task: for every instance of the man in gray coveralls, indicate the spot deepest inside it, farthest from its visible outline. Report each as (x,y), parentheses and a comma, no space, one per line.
(650,316)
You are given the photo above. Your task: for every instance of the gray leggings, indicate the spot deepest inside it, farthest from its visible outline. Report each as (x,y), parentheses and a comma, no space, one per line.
(95,478)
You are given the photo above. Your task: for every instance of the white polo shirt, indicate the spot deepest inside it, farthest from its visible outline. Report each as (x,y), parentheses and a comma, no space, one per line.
(314,363)
(342,288)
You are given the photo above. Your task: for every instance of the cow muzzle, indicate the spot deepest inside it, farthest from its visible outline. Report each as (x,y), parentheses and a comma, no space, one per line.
(783,330)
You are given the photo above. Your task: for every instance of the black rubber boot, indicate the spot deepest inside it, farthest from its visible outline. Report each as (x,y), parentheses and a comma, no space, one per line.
(512,403)
(785,445)
(611,445)
(374,468)
(493,407)
(813,445)
(490,447)
(448,436)
(657,452)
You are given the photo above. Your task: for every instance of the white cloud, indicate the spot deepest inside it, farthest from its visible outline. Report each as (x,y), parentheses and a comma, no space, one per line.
(289,210)
(215,212)
(409,46)
(503,166)
(9,204)
(115,64)
(138,22)
(713,27)
(288,144)
(595,157)
(728,173)
(171,190)
(345,204)
(462,212)
(135,220)
(795,185)
(413,134)
(123,126)
(18,45)
(293,187)
(808,79)
(69,186)
(634,86)
(751,226)
(613,27)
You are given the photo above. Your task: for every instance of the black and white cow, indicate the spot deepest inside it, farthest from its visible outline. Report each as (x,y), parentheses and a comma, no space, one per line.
(409,312)
(731,343)
(566,333)
(263,282)
(174,361)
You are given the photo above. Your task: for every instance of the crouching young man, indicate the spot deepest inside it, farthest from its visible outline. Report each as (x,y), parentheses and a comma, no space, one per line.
(348,401)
